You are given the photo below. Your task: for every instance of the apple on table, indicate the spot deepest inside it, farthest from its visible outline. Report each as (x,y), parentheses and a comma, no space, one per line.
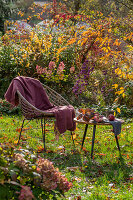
(111,117)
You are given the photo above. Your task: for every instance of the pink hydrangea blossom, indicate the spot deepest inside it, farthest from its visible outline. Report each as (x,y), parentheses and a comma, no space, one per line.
(72,69)
(37,67)
(44,71)
(52,65)
(60,68)
(41,70)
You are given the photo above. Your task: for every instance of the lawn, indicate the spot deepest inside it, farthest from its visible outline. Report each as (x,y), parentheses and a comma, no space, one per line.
(109,175)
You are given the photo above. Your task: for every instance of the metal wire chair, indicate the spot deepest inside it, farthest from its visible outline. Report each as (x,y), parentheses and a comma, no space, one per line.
(30,112)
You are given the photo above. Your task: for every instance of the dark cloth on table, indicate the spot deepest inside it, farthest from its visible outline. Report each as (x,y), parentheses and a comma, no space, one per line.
(116,127)
(33,91)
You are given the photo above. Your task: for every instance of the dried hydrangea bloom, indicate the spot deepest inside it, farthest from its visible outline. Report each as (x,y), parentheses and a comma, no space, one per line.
(51,177)
(26,194)
(21,162)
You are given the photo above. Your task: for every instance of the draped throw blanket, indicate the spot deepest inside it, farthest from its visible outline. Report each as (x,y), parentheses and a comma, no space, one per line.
(33,91)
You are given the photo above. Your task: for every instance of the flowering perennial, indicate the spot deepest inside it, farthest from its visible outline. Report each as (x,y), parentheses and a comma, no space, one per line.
(46,176)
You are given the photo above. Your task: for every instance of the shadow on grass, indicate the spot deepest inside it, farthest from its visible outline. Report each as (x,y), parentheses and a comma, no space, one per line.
(117,172)
(66,159)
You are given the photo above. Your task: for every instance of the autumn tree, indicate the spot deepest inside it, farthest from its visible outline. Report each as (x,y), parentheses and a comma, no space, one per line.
(6,8)
(9,8)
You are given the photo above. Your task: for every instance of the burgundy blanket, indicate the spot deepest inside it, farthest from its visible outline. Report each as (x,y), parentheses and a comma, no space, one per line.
(33,91)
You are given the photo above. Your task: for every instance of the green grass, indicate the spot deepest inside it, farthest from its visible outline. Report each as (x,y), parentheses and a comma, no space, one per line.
(108,176)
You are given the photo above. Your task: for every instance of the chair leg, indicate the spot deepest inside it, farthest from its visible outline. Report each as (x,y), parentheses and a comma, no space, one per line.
(21,131)
(43,131)
(72,139)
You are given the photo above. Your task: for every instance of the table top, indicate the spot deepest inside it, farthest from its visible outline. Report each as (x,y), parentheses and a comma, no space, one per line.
(92,122)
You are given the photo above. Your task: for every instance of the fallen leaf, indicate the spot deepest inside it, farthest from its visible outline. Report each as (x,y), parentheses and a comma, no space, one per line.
(72,169)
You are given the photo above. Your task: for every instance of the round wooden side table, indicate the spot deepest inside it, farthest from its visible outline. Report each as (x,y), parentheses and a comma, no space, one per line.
(92,122)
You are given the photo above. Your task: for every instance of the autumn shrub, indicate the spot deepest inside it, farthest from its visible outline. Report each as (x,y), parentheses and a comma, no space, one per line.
(4,106)
(24,169)
(39,52)
(8,68)
(82,57)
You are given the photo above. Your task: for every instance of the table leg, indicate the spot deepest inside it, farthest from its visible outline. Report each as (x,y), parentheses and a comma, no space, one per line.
(86,126)
(117,142)
(93,139)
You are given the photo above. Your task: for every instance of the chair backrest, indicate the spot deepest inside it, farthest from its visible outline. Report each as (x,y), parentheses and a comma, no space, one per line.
(54,97)
(30,111)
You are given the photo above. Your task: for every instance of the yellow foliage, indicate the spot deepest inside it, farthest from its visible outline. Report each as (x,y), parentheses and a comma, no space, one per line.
(117,43)
(27,65)
(131,76)
(71,41)
(116,99)
(24,56)
(115,86)
(79,42)
(130,48)
(60,39)
(85,33)
(105,49)
(121,88)
(121,91)
(84,41)
(118,71)
(104,41)
(118,110)
(123,95)
(60,50)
